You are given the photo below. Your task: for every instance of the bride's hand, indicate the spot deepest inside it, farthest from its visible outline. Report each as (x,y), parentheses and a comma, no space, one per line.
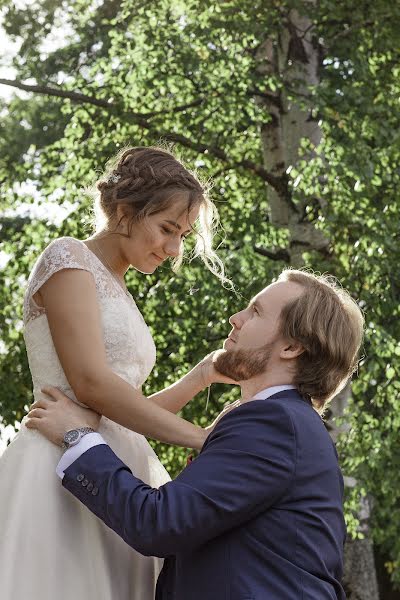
(209,374)
(54,417)
(224,412)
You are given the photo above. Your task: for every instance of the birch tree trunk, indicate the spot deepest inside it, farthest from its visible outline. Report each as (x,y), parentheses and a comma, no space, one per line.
(288,67)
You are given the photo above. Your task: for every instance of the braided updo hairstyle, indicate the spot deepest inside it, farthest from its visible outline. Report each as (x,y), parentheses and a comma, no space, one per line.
(147,180)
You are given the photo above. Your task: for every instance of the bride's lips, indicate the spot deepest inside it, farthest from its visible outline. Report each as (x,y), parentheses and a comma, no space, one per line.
(158,258)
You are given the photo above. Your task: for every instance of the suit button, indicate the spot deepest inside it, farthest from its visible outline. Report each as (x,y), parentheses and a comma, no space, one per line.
(95,491)
(80,477)
(85,482)
(90,487)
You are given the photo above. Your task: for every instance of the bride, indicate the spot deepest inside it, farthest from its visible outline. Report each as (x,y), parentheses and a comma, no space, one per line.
(85,335)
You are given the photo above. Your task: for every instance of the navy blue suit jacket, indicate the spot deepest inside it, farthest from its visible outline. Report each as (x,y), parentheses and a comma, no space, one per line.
(256,516)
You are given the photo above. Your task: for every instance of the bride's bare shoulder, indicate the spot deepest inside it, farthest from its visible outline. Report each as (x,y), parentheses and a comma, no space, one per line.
(59,256)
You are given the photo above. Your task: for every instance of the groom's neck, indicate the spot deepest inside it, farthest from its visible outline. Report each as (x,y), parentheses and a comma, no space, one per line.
(253,386)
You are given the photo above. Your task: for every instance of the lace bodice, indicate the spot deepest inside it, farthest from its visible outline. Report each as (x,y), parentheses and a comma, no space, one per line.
(128,343)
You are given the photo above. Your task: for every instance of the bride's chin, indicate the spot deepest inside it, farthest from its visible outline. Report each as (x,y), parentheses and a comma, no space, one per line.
(145,270)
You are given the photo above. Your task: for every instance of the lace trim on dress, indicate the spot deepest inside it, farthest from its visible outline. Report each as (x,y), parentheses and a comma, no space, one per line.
(67,253)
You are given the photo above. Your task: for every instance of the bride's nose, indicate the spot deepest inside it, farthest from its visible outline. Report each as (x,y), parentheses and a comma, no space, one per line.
(173,246)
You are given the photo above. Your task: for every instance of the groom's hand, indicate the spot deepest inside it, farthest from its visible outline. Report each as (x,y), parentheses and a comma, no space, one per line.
(55,416)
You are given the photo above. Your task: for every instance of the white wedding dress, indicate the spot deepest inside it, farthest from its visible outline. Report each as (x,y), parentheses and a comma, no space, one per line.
(51,546)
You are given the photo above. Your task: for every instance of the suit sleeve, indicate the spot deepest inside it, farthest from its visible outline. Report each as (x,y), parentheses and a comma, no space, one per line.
(246,465)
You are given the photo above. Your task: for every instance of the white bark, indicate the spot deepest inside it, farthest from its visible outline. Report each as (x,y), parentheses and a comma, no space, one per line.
(292,59)
(360,577)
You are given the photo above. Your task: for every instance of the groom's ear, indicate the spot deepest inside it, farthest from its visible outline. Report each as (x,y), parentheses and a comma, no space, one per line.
(291,349)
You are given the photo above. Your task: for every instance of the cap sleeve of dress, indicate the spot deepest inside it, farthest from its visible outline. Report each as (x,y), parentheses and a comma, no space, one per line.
(62,253)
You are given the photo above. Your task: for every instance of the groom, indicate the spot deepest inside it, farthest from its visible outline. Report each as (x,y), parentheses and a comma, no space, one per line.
(258,514)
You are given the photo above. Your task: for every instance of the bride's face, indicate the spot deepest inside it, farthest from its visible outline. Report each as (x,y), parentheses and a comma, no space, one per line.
(158,237)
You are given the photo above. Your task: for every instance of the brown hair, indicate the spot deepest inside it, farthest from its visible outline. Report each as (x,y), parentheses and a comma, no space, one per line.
(147,180)
(329,325)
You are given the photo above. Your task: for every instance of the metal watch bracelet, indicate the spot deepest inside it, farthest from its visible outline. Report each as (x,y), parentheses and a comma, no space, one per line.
(73,436)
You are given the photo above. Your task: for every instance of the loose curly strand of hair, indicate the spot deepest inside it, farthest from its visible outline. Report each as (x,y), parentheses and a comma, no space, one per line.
(145,180)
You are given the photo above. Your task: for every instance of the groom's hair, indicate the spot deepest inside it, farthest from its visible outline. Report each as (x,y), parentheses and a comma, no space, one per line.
(329,325)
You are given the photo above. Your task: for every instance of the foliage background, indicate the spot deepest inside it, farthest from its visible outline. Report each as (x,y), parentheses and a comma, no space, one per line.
(99,75)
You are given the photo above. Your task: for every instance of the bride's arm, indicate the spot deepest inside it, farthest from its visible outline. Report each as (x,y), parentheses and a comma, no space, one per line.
(69,298)
(176,396)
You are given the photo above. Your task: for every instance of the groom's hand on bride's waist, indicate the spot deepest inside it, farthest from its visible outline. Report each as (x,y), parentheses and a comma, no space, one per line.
(56,415)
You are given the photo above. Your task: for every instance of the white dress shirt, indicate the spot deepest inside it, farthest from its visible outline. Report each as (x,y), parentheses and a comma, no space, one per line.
(95,439)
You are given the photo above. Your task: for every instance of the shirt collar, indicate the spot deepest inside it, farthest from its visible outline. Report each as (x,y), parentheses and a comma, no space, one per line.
(270,391)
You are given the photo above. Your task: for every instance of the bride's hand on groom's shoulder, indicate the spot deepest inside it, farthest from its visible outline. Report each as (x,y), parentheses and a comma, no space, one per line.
(224,412)
(209,373)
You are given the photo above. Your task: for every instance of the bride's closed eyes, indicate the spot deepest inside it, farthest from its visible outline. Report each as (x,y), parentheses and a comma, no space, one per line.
(170,232)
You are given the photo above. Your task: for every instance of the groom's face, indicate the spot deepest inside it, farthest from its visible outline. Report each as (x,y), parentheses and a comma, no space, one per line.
(254,344)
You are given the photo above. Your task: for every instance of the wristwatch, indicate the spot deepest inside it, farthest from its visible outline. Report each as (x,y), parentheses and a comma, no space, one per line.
(73,436)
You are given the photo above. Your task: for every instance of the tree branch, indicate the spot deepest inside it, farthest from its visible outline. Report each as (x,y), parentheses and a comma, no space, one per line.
(279,254)
(361,25)
(269,96)
(143,121)
(48,91)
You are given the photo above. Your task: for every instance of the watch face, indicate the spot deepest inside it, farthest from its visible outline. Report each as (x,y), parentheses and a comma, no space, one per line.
(71,436)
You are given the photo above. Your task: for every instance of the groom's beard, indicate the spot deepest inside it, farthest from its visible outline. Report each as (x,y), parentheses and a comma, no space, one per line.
(241,365)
